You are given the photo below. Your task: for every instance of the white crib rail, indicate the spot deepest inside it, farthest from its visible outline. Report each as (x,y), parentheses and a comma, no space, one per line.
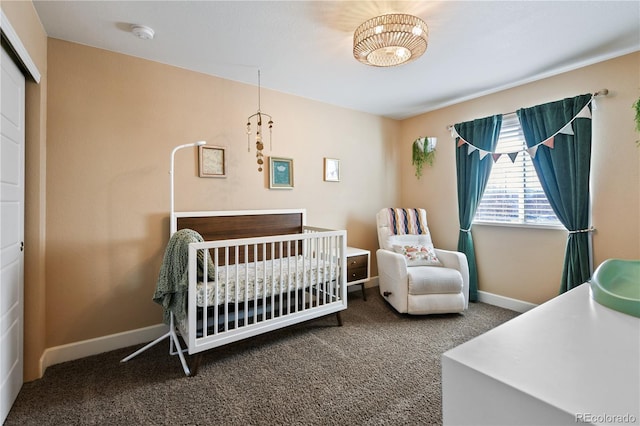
(240,315)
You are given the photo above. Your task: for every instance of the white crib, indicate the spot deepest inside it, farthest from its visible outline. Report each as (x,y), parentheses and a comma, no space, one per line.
(270,271)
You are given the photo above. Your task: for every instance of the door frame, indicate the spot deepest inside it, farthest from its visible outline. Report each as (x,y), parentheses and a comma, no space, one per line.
(9,34)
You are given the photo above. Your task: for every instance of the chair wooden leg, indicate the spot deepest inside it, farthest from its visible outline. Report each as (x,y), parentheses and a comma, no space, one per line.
(339,317)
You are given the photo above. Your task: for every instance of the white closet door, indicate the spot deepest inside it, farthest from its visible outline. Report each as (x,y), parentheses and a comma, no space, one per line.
(11,232)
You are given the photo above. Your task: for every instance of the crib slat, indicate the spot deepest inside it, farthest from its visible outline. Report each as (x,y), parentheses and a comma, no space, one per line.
(224,302)
(216,302)
(236,313)
(255,284)
(317,270)
(263,282)
(246,287)
(333,253)
(273,282)
(304,293)
(319,273)
(289,278)
(297,281)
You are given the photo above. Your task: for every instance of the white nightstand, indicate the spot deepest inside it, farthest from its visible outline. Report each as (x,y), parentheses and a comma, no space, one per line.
(358,267)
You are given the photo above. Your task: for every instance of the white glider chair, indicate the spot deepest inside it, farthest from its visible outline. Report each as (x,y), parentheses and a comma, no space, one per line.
(414,277)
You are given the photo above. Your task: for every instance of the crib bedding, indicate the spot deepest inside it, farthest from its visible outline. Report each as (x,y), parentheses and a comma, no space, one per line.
(257,280)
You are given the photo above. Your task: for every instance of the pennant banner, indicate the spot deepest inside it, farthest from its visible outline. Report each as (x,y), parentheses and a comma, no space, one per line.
(567,129)
(549,142)
(585,112)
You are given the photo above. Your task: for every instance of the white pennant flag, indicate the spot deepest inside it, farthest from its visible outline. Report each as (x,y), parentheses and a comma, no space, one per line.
(532,151)
(483,153)
(567,129)
(470,149)
(454,133)
(584,112)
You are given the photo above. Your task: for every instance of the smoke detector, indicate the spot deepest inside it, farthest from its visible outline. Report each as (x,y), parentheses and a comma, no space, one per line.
(142,31)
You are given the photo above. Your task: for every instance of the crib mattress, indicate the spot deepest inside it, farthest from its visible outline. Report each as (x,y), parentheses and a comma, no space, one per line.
(256,280)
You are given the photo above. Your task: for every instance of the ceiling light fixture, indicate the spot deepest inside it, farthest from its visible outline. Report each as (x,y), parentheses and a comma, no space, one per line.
(259,144)
(143,32)
(389,40)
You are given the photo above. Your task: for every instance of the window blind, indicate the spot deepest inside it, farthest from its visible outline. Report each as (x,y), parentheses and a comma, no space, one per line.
(513,193)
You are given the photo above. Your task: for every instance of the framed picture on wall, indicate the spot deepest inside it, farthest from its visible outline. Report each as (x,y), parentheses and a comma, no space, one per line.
(280,173)
(212,161)
(331,170)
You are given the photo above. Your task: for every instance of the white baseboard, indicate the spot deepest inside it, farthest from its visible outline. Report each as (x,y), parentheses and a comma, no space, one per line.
(505,302)
(77,350)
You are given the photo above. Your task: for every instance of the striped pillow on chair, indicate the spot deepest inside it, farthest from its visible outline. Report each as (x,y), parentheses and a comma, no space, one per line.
(407,221)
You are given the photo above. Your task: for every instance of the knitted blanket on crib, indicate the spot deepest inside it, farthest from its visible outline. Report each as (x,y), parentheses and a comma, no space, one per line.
(173,283)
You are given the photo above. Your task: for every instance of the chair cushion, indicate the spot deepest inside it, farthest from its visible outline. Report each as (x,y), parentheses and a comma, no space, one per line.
(435,304)
(430,280)
(418,255)
(409,240)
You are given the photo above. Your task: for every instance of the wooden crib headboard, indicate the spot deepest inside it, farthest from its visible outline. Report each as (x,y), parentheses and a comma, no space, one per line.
(225,225)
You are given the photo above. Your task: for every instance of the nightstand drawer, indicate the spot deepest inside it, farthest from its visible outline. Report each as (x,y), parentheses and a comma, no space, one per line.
(357,261)
(355,274)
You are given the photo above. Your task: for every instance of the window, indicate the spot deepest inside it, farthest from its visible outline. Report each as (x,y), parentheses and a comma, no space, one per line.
(514,194)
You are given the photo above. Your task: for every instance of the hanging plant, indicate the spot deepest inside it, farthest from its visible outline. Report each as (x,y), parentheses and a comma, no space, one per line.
(636,107)
(423,151)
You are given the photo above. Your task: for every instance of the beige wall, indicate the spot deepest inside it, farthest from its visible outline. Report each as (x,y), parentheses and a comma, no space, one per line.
(25,22)
(113,121)
(522,263)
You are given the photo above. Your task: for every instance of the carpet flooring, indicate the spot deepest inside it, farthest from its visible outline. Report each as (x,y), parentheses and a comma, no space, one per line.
(379,368)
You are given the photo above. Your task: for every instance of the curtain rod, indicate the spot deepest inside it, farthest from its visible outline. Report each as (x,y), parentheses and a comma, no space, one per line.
(601,92)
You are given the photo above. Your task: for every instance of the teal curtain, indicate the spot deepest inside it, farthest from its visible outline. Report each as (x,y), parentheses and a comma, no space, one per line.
(473,174)
(564,174)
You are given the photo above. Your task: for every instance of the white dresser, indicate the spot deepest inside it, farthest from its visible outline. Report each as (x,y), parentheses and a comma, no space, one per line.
(568,361)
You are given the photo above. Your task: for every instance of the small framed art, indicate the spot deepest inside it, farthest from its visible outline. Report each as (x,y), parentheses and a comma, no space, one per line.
(212,161)
(331,170)
(280,173)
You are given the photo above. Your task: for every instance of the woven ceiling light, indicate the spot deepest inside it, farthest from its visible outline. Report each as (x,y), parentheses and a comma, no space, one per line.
(390,40)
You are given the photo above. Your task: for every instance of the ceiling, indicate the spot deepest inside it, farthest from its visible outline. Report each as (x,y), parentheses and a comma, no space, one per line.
(304,48)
